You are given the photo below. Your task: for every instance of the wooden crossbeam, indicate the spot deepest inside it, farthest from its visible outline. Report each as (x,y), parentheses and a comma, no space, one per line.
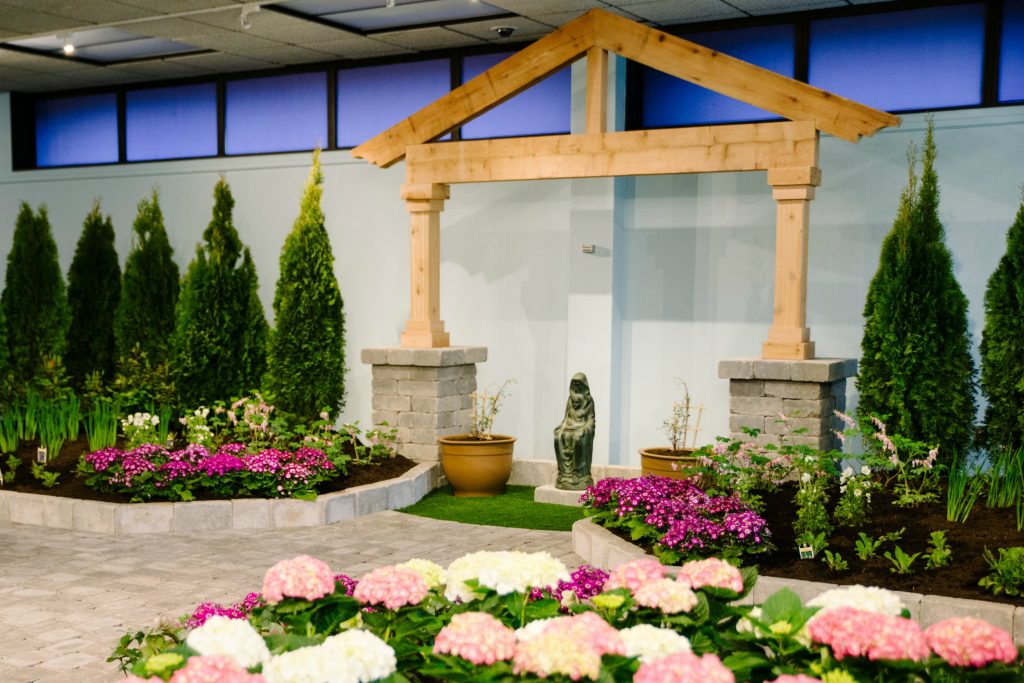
(481,94)
(735,78)
(705,149)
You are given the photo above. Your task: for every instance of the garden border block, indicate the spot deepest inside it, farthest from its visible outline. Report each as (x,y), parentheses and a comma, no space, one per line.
(601,548)
(243,513)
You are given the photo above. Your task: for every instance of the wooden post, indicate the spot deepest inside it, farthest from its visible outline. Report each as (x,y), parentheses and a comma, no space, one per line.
(793,189)
(424,329)
(597,90)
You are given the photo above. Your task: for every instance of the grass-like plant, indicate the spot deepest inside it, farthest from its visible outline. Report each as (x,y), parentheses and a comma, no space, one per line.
(964,487)
(101,424)
(8,431)
(514,508)
(52,429)
(28,412)
(1006,478)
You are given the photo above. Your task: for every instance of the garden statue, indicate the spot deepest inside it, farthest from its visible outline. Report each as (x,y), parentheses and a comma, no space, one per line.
(574,438)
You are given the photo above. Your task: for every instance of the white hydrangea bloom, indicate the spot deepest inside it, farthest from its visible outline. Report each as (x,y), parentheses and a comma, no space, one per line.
(504,571)
(431,572)
(868,598)
(235,638)
(649,642)
(350,657)
(533,629)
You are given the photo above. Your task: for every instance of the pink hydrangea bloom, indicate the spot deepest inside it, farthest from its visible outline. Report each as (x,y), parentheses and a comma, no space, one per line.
(392,587)
(634,574)
(214,669)
(799,678)
(684,667)
(853,632)
(477,637)
(300,577)
(966,641)
(711,572)
(671,597)
(572,646)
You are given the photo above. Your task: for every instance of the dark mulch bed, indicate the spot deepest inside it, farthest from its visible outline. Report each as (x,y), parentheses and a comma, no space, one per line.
(71,486)
(985,528)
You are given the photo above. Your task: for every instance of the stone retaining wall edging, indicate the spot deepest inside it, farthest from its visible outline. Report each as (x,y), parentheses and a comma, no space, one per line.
(601,548)
(248,513)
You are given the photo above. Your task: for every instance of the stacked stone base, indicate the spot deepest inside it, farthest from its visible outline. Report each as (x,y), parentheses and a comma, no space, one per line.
(425,393)
(805,392)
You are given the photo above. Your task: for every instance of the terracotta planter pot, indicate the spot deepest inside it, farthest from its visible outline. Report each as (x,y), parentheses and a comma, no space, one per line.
(474,467)
(660,461)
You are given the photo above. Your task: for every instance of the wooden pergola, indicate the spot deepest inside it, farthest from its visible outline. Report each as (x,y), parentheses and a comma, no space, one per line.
(787,150)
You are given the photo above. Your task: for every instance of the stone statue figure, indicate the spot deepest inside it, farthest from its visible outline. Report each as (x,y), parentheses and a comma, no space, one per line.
(574,438)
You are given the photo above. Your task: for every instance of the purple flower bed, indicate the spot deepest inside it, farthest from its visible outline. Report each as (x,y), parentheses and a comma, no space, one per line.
(152,472)
(677,518)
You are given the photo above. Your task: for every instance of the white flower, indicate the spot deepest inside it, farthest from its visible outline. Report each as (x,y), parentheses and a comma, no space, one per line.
(805,477)
(858,492)
(235,638)
(842,489)
(848,472)
(865,470)
(503,571)
(868,598)
(432,573)
(155,420)
(744,625)
(349,657)
(650,642)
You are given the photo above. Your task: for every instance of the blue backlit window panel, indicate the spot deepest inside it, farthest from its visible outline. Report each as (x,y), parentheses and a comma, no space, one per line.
(670,101)
(276,114)
(171,123)
(373,98)
(917,59)
(76,130)
(1011,59)
(543,109)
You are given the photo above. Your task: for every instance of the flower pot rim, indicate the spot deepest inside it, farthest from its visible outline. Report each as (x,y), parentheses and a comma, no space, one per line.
(455,439)
(669,454)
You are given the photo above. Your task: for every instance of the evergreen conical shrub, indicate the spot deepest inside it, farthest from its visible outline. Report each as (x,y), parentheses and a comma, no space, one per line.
(916,368)
(219,349)
(34,300)
(1002,344)
(94,290)
(306,362)
(149,289)
(6,387)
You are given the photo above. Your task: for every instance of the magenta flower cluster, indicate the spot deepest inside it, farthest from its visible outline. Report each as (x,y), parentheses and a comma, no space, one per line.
(584,583)
(239,610)
(690,520)
(151,471)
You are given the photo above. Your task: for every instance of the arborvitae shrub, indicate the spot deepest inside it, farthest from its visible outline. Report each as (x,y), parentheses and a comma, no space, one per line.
(1002,344)
(6,387)
(34,300)
(219,348)
(149,289)
(306,362)
(94,289)
(916,368)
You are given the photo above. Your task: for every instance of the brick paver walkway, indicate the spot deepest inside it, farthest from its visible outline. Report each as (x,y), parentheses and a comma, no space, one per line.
(66,596)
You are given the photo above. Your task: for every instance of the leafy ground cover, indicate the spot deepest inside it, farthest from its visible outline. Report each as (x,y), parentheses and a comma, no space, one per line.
(514,508)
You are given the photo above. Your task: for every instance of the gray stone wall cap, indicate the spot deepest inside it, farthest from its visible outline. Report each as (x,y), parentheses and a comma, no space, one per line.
(435,358)
(813,370)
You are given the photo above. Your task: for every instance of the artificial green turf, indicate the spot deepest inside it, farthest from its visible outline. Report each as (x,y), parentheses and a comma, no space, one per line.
(514,508)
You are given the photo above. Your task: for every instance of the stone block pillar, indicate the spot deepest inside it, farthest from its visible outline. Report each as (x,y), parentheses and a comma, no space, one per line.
(804,391)
(426,393)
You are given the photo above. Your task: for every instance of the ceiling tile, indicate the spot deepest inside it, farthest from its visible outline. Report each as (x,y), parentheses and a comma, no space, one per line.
(157,69)
(359,48)
(223,62)
(532,7)
(776,6)
(173,6)
(667,12)
(26,22)
(90,12)
(523,28)
(280,27)
(432,38)
(288,54)
(214,38)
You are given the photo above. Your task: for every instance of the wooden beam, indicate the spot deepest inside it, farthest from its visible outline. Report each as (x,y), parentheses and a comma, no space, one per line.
(481,94)
(735,78)
(597,90)
(705,149)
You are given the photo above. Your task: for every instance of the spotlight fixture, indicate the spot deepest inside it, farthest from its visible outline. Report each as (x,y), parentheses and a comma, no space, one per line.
(69,47)
(243,17)
(389,4)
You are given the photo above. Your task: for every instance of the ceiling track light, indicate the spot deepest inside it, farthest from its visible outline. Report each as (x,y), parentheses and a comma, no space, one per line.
(389,3)
(69,46)
(243,17)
